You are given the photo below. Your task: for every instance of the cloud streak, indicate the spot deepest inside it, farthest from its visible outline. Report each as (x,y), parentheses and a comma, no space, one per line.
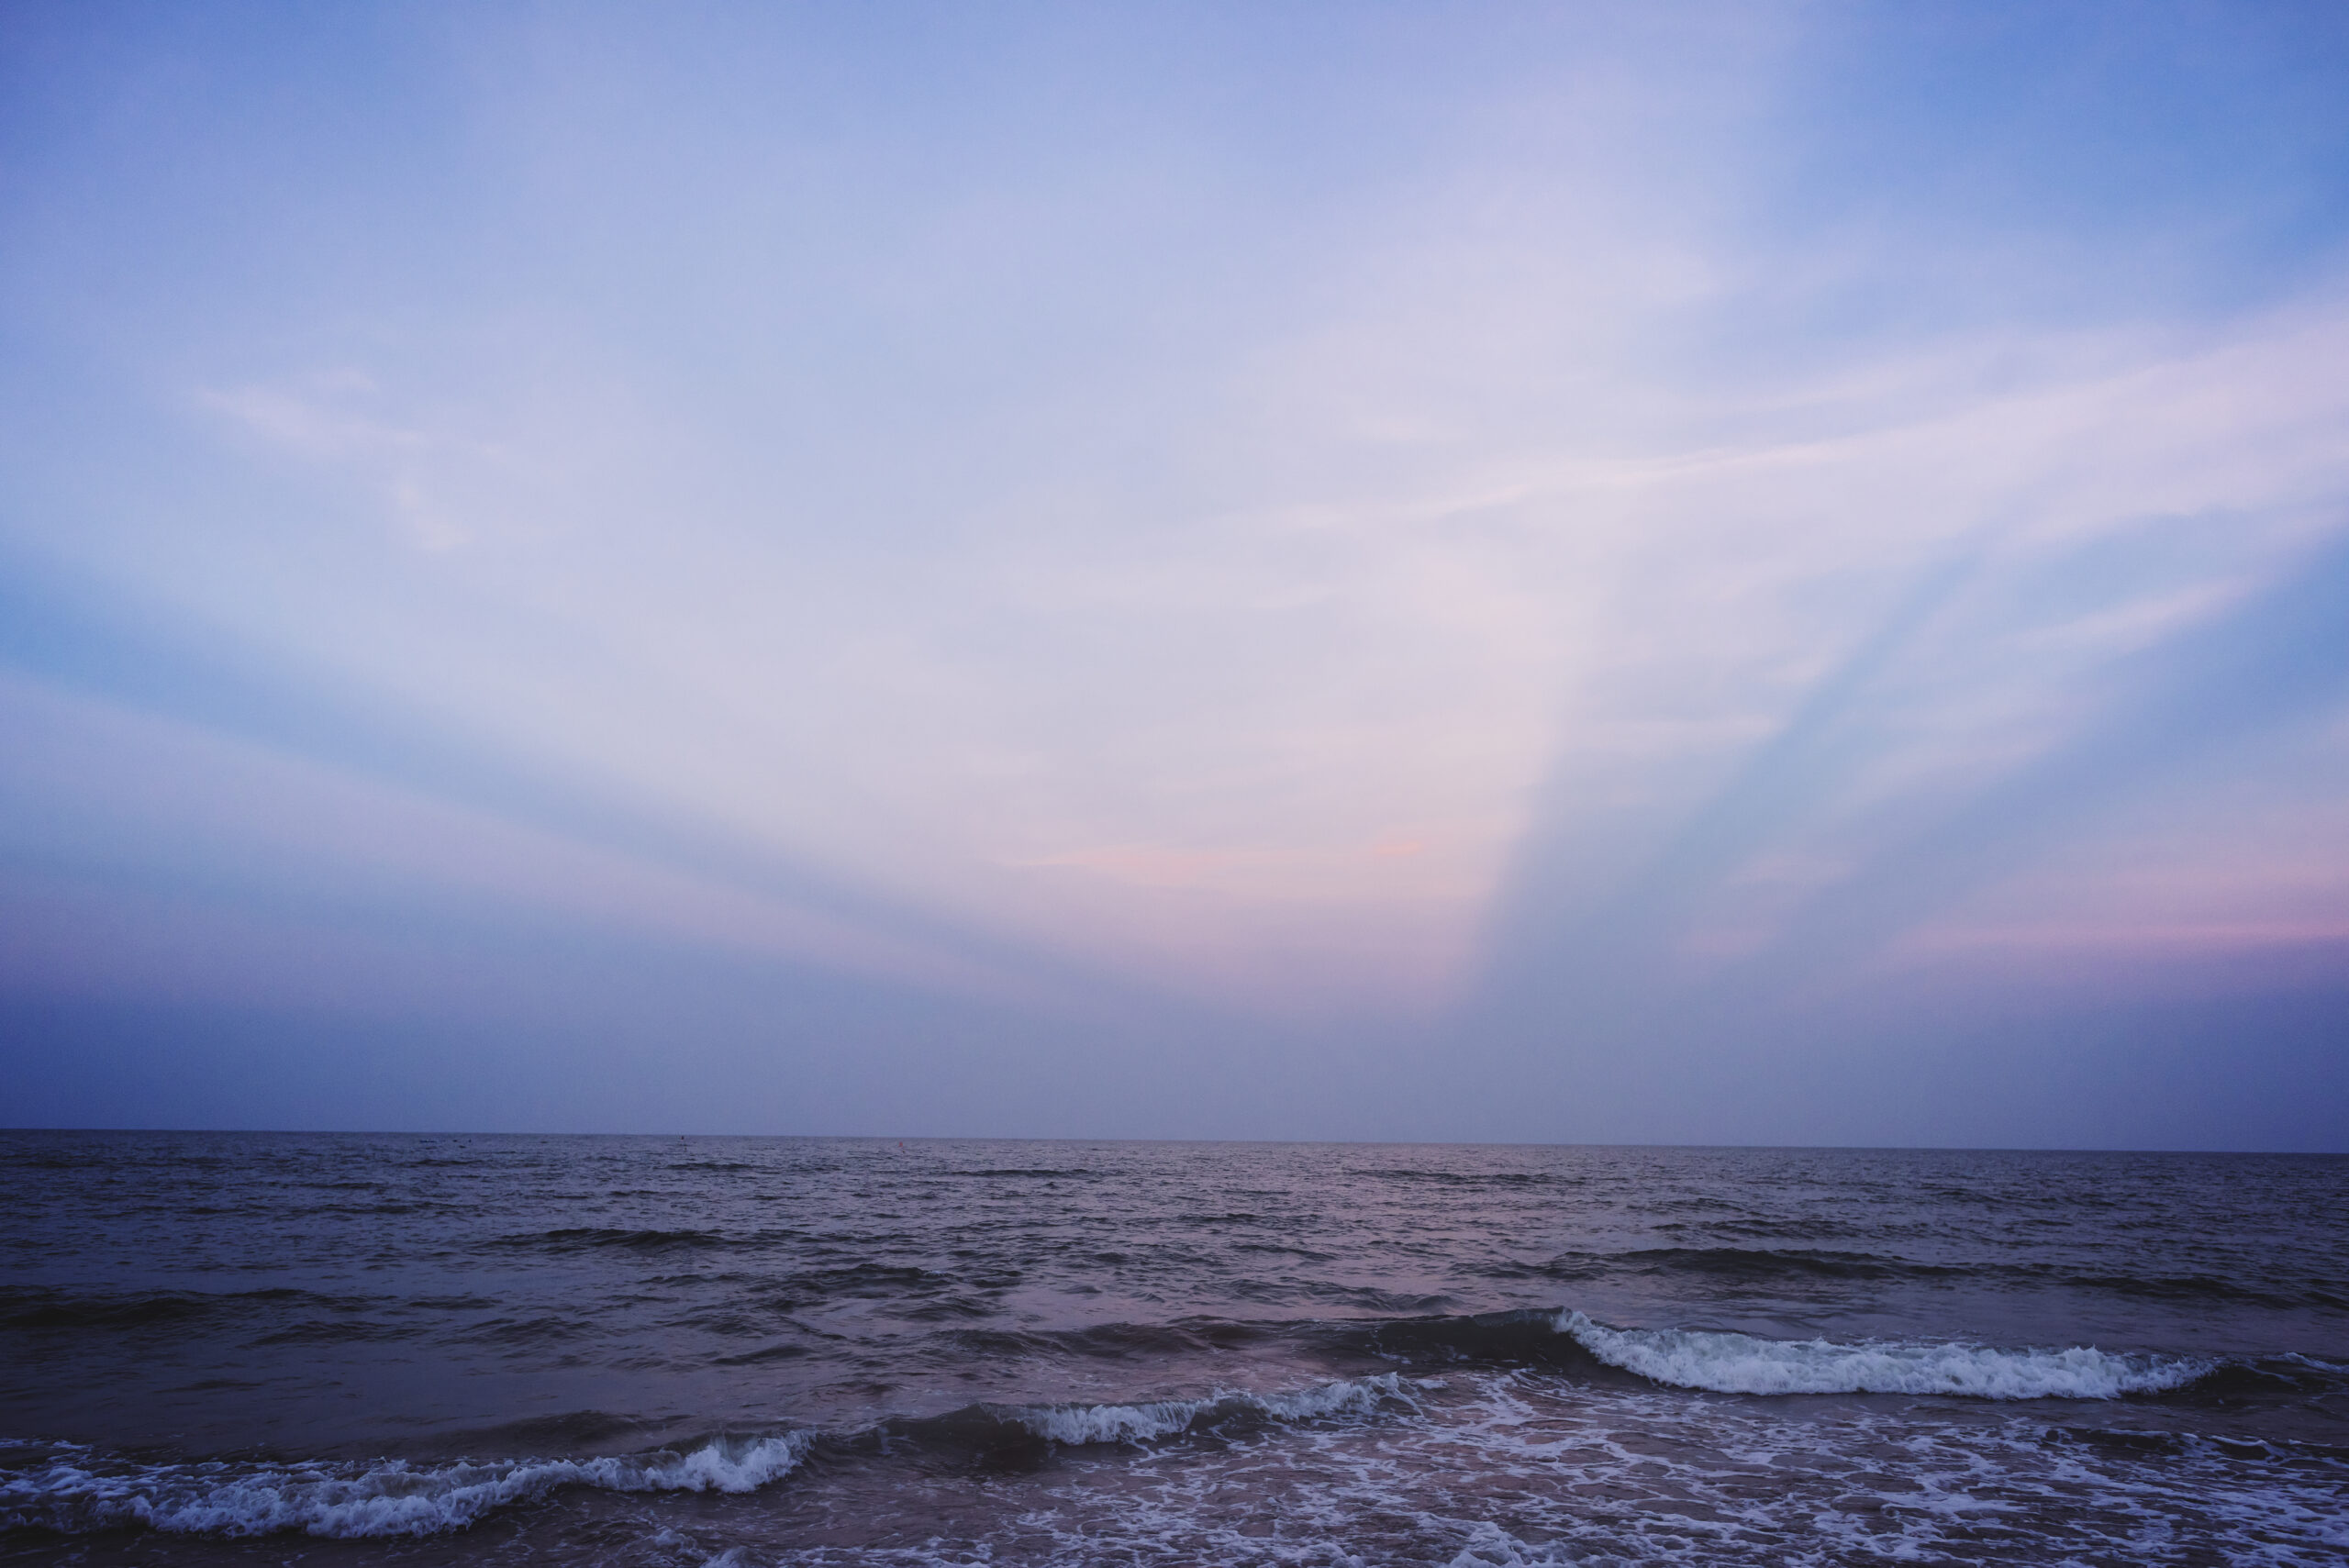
(1397,547)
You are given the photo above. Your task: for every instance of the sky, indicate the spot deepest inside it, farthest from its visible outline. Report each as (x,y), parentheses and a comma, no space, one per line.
(1758,573)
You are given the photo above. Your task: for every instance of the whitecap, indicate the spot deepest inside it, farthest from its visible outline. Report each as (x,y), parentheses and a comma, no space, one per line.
(352,1501)
(1747,1363)
(1077,1425)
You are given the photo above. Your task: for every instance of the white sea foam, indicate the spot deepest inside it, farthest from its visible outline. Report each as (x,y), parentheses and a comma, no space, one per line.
(1745,1363)
(1080,1424)
(75,1491)
(389,1499)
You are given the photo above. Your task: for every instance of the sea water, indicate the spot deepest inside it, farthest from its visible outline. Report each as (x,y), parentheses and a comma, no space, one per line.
(641,1350)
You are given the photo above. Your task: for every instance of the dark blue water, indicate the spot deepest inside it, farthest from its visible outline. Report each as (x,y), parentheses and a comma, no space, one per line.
(644,1351)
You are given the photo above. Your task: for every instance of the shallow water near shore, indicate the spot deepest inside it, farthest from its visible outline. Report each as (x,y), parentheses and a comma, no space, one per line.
(363,1348)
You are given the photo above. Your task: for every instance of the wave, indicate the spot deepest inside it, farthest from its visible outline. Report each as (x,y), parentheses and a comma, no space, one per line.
(1079,1424)
(1467,1178)
(2205,1287)
(1023,1436)
(1739,1264)
(594,1237)
(37,1308)
(358,1501)
(75,1492)
(1567,1342)
(1747,1363)
(1795,1268)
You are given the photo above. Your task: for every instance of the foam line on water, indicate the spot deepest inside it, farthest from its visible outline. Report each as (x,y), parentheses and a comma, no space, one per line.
(352,1501)
(1747,1363)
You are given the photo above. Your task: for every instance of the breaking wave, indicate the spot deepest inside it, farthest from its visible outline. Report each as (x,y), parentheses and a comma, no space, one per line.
(74,1492)
(1077,1425)
(1745,1363)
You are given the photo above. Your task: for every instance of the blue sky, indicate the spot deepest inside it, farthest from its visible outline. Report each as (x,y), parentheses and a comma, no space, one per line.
(1742,574)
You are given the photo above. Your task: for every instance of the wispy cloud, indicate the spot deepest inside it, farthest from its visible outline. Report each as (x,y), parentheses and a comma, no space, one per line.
(1385,525)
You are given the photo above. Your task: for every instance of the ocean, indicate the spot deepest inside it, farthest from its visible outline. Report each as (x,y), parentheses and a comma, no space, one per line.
(425,1349)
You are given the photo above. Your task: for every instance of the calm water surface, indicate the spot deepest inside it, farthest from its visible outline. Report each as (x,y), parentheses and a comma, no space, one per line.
(263,1349)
